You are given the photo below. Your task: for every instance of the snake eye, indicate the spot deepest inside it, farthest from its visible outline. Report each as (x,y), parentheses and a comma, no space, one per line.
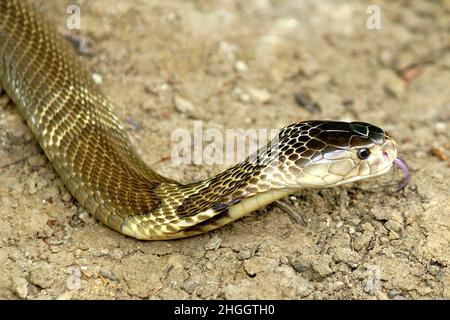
(363,153)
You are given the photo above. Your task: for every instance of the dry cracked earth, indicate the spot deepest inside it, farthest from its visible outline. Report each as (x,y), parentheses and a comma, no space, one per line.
(247,64)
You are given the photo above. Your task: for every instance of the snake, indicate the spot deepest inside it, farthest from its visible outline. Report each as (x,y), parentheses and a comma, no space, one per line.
(87,144)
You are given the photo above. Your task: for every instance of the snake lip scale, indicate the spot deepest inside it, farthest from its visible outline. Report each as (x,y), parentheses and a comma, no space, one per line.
(87,145)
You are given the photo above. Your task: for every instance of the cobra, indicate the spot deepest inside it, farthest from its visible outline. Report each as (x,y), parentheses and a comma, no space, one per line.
(89,148)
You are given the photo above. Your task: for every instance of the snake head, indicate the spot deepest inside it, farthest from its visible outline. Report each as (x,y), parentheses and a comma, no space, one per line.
(331,153)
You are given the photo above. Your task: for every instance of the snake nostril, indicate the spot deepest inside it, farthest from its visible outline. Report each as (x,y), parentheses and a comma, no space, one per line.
(385,155)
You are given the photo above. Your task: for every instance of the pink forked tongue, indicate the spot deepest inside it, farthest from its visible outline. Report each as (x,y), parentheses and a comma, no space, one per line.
(405,170)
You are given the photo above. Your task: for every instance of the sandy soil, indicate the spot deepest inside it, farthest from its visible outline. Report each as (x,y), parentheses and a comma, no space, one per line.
(239,64)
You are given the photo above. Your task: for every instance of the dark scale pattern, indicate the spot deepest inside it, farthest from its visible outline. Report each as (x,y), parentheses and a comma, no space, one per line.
(89,149)
(294,143)
(71,119)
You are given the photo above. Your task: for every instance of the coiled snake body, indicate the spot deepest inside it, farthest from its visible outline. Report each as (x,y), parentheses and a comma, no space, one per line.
(88,147)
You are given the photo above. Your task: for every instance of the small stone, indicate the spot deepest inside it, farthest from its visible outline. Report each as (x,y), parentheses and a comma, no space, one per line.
(259,264)
(67,197)
(260,95)
(336,286)
(393,225)
(384,239)
(51,192)
(98,79)
(65,296)
(42,275)
(37,160)
(244,254)
(391,83)
(346,255)
(4,99)
(387,57)
(35,183)
(117,254)
(108,275)
(86,217)
(79,43)
(213,243)
(228,49)
(241,95)
(420,154)
(318,264)
(304,288)
(189,286)
(392,293)
(363,241)
(182,105)
(240,66)
(441,126)
(19,286)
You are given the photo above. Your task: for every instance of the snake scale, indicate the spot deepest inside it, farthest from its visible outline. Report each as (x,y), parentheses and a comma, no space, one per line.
(88,147)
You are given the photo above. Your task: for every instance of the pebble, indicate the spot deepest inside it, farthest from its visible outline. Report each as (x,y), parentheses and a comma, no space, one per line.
(42,275)
(240,66)
(213,243)
(85,217)
(35,183)
(98,79)
(228,49)
(242,96)
(393,225)
(363,241)
(441,126)
(67,197)
(244,254)
(19,286)
(260,95)
(310,67)
(65,296)
(304,288)
(182,105)
(259,264)
(79,43)
(4,99)
(346,255)
(189,286)
(391,83)
(319,264)
(37,160)
(392,293)
(387,57)
(108,275)
(304,100)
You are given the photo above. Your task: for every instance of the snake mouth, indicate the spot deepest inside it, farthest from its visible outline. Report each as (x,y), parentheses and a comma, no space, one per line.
(401,164)
(389,158)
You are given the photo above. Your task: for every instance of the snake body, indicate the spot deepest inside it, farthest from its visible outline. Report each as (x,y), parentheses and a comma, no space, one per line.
(88,147)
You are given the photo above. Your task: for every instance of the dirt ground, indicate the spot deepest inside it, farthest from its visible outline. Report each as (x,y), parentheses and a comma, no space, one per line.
(240,64)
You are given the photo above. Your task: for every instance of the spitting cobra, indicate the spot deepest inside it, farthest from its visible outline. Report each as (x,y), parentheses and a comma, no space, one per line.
(89,148)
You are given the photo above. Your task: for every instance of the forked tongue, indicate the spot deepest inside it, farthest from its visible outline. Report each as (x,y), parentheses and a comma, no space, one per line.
(401,164)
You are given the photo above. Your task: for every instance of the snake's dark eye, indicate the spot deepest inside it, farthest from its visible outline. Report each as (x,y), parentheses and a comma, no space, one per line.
(363,153)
